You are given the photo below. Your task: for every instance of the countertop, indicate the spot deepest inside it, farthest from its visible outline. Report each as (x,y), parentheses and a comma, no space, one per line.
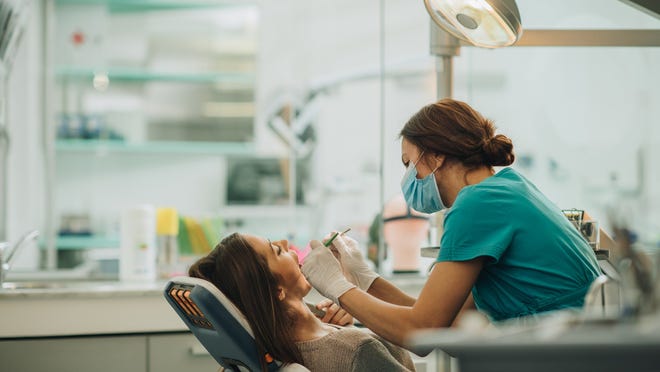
(85,308)
(78,289)
(562,343)
(68,308)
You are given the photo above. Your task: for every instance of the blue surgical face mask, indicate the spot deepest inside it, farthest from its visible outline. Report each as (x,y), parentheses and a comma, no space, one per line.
(421,195)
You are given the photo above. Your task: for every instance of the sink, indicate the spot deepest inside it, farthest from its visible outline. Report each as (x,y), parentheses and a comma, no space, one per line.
(26,285)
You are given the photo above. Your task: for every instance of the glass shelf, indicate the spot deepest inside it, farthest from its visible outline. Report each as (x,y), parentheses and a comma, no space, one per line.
(153,5)
(86,242)
(256,211)
(159,147)
(136,75)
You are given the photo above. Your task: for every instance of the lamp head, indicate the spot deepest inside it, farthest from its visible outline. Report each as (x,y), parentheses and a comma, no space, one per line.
(483,23)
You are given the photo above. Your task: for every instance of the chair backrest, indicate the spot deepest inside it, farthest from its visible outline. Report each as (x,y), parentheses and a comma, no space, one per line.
(218,324)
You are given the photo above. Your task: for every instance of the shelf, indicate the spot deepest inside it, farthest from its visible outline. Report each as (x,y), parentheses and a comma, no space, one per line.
(155,147)
(153,5)
(86,242)
(262,211)
(137,75)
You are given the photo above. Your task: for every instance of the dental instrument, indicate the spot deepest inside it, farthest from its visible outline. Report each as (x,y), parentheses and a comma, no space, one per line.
(327,244)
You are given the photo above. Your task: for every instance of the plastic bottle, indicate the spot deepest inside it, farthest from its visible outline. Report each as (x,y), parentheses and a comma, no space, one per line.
(137,257)
(167,229)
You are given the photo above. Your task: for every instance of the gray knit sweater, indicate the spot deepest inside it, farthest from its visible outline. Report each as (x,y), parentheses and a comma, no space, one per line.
(352,349)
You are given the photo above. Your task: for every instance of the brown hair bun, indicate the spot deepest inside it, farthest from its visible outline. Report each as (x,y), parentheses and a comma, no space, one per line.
(498,151)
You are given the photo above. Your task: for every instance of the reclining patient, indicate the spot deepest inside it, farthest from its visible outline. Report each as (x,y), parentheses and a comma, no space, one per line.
(264,281)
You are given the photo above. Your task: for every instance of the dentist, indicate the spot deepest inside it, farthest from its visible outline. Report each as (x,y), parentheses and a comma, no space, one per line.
(506,247)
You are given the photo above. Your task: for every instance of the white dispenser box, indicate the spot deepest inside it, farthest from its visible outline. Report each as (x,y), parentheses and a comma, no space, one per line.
(137,256)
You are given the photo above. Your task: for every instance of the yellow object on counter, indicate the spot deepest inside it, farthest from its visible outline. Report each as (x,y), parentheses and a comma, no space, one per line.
(198,241)
(167,221)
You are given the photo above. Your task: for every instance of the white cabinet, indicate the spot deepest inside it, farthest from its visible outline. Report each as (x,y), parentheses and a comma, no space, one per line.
(170,352)
(178,352)
(75,354)
(164,352)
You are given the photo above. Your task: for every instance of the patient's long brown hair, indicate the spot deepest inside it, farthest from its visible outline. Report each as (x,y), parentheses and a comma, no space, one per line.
(244,277)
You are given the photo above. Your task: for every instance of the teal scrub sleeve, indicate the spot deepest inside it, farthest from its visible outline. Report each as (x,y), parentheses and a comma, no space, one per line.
(477,225)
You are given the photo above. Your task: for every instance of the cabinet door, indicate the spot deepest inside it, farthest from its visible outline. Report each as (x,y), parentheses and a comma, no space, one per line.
(179,352)
(79,354)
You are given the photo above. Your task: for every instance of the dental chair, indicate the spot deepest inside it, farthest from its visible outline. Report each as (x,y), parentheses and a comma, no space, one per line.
(219,326)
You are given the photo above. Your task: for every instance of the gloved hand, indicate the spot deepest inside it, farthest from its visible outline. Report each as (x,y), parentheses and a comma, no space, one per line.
(333,313)
(353,263)
(324,272)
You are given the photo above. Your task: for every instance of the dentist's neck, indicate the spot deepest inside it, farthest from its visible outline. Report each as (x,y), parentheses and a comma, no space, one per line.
(456,176)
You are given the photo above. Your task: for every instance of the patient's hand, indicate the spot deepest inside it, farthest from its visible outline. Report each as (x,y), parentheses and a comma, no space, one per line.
(334,314)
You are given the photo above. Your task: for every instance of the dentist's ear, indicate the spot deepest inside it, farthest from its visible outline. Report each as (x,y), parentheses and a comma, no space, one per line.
(439,161)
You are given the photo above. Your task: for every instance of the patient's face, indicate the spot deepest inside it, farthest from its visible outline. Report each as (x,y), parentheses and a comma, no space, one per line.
(283,263)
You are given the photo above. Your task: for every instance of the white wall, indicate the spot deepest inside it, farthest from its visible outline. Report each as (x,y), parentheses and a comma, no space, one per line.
(26,169)
(580,114)
(584,115)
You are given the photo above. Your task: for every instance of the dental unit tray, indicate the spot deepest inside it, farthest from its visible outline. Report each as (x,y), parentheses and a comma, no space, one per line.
(218,325)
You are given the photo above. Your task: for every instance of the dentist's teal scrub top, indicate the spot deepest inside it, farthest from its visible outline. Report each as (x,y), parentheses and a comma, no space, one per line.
(536,260)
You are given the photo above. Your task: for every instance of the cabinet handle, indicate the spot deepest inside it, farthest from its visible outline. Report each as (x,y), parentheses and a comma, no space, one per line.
(198,350)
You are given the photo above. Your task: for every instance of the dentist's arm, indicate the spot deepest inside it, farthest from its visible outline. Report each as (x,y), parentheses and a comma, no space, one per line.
(357,271)
(440,301)
(356,268)
(388,292)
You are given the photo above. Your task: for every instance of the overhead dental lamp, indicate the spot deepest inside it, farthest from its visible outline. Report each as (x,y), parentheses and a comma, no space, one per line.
(483,23)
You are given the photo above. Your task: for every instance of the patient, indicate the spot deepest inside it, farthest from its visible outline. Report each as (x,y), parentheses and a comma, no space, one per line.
(264,281)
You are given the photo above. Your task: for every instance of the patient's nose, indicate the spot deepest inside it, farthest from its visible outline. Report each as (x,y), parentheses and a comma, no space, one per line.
(284,244)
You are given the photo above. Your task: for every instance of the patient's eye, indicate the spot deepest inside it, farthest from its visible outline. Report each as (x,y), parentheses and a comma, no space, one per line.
(277,248)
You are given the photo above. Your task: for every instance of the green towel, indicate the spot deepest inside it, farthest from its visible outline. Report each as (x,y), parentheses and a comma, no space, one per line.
(218,226)
(185,247)
(200,245)
(212,231)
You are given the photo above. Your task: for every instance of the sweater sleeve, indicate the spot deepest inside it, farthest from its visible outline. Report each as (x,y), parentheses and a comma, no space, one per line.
(374,356)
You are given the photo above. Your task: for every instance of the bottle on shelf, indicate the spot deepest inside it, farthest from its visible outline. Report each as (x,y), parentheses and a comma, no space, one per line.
(137,256)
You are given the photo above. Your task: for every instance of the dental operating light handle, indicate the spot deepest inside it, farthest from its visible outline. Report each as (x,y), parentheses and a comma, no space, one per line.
(353,262)
(324,272)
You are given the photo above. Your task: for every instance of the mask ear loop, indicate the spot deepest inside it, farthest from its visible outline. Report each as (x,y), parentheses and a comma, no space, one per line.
(418,159)
(436,168)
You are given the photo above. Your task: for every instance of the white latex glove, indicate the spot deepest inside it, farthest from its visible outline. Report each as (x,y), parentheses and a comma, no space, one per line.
(353,263)
(324,272)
